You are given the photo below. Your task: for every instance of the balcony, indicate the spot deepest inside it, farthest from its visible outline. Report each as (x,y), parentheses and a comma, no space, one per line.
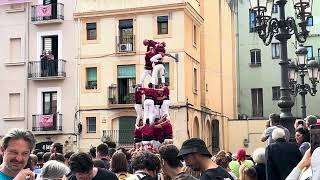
(45,14)
(122,138)
(119,100)
(125,44)
(47,70)
(47,124)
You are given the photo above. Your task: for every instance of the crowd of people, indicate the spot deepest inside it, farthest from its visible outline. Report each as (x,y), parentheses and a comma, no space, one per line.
(279,160)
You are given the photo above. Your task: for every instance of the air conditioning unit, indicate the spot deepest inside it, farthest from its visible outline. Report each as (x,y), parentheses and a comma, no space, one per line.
(125,47)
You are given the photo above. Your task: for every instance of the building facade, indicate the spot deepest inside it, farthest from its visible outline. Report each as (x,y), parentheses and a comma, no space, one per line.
(40,53)
(112,60)
(258,68)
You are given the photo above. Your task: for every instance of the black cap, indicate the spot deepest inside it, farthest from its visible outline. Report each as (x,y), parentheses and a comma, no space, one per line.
(194,145)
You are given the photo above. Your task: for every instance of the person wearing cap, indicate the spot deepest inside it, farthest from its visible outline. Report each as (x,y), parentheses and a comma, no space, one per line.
(240,161)
(171,165)
(196,155)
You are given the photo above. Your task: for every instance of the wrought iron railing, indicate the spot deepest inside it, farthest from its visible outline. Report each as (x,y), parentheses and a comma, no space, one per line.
(51,122)
(47,12)
(122,137)
(51,68)
(125,43)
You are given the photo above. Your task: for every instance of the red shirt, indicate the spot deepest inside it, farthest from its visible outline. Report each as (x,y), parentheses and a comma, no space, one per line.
(148,56)
(147,131)
(137,133)
(166,92)
(138,97)
(157,132)
(150,93)
(167,129)
(160,48)
(158,99)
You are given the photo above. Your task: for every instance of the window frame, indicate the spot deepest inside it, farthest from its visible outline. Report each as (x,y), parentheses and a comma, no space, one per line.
(87,82)
(259,98)
(252,17)
(88,31)
(256,63)
(275,9)
(309,58)
(43,102)
(88,124)
(274,46)
(276,90)
(159,26)
(195,80)
(310,20)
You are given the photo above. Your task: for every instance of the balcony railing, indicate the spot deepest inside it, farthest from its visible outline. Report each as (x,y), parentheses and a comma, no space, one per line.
(51,13)
(122,137)
(39,70)
(125,44)
(51,122)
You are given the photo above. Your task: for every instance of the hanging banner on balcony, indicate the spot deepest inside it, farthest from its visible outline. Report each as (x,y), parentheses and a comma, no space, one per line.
(44,10)
(4,2)
(46,121)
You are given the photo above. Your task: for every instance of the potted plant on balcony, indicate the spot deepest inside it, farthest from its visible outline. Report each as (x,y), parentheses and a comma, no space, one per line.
(112,100)
(126,99)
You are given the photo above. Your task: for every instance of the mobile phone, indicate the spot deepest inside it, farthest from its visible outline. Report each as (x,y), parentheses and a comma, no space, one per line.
(314,136)
(301,122)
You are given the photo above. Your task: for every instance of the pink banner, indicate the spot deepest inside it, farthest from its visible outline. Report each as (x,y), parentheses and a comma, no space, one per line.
(4,2)
(44,10)
(46,121)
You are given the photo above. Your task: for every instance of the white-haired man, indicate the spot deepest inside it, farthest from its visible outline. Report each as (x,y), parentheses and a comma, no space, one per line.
(281,156)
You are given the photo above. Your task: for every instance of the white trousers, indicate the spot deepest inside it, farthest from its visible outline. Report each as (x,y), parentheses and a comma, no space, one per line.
(145,73)
(165,107)
(156,69)
(157,111)
(138,108)
(148,111)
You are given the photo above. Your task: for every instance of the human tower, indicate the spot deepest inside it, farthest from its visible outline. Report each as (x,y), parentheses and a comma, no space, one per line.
(153,125)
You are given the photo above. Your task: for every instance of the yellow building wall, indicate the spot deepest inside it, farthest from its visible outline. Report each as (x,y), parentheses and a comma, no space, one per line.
(246,129)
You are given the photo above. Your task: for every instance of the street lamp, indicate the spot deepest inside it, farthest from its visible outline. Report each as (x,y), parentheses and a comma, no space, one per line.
(301,67)
(282,29)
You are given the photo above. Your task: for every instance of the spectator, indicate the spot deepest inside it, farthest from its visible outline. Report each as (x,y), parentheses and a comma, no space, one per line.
(54,170)
(17,145)
(275,123)
(56,148)
(40,159)
(34,164)
(102,154)
(46,156)
(310,120)
(119,165)
(308,168)
(247,173)
(92,152)
(240,160)
(197,156)
(111,152)
(260,163)
(145,165)
(58,157)
(98,163)
(302,137)
(223,160)
(281,156)
(171,165)
(81,166)
(67,158)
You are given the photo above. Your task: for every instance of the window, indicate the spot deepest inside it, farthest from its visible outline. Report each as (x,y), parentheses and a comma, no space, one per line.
(91,124)
(257,102)
(275,8)
(15,49)
(91,78)
(49,102)
(310,21)
(126,81)
(14,104)
(162,22)
(17,6)
(310,52)
(91,31)
(194,34)
(255,56)
(319,53)
(276,93)
(252,21)
(195,80)
(275,50)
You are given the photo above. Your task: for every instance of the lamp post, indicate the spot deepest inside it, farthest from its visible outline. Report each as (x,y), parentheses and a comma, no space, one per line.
(282,29)
(301,67)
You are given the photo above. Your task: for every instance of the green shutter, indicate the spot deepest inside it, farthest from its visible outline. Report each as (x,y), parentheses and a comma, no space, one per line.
(92,74)
(166,66)
(128,71)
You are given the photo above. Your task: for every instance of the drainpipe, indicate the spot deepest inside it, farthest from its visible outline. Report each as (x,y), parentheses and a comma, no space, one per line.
(77,120)
(26,91)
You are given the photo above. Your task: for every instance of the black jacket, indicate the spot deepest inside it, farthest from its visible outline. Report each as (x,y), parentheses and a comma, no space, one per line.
(281,158)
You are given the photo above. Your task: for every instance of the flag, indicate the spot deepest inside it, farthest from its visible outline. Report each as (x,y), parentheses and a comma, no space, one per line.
(44,10)
(46,121)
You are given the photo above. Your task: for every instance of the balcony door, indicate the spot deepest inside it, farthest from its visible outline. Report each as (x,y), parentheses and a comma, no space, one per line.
(50,43)
(126,130)
(49,102)
(126,80)
(126,31)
